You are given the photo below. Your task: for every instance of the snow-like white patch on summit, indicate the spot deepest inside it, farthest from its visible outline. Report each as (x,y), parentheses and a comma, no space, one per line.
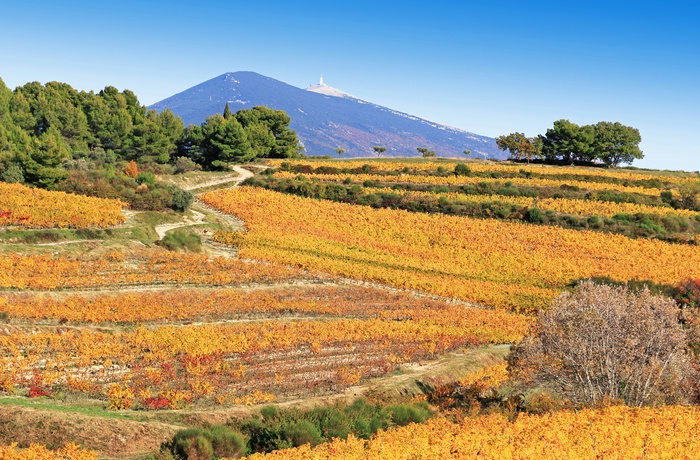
(326,90)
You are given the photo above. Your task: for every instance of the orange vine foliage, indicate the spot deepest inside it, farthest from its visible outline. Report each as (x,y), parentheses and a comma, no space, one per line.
(37,452)
(226,304)
(610,433)
(35,208)
(47,272)
(503,264)
(350,333)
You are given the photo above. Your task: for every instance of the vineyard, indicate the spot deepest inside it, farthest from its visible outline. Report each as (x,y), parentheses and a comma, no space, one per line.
(616,432)
(251,345)
(36,208)
(509,265)
(345,274)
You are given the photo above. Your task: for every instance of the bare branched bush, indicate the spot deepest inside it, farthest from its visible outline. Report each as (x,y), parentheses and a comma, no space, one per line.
(603,343)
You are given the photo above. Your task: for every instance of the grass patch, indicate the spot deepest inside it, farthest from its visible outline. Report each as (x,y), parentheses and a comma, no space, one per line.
(93,409)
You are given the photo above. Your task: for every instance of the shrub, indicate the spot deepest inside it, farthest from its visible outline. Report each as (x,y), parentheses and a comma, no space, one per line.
(462,170)
(605,343)
(402,415)
(184,164)
(13,174)
(131,169)
(687,293)
(206,443)
(181,199)
(303,432)
(181,240)
(534,215)
(146,177)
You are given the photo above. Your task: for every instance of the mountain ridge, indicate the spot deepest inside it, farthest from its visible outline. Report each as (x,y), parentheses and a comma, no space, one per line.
(330,120)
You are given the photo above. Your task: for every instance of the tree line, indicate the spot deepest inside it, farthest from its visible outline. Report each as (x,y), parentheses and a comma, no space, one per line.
(609,143)
(51,132)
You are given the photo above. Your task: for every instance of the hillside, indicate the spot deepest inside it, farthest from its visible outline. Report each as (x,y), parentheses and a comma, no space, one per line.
(409,281)
(326,118)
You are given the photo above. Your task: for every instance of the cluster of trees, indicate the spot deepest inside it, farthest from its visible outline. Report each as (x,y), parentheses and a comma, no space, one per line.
(42,127)
(56,137)
(610,143)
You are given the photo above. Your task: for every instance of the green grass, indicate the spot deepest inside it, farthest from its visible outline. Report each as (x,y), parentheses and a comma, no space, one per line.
(93,409)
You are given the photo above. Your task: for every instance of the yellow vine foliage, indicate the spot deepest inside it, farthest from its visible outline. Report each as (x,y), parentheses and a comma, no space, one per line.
(487,167)
(35,208)
(610,433)
(489,376)
(37,452)
(47,272)
(562,205)
(469,180)
(502,264)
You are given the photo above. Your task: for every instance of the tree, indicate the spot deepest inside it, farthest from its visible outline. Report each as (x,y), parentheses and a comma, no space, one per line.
(615,143)
(286,144)
(340,150)
(227,111)
(467,152)
(568,141)
(378,149)
(223,141)
(520,146)
(604,343)
(427,153)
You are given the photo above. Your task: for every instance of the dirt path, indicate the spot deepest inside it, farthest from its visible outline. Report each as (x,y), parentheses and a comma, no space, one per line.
(198,217)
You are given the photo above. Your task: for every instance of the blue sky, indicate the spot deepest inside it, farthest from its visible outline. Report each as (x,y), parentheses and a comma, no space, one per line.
(487,67)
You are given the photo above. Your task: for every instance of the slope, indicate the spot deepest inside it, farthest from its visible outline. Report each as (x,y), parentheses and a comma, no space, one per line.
(325,122)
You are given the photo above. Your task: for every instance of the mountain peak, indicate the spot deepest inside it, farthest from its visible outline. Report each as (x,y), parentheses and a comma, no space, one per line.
(326,90)
(326,118)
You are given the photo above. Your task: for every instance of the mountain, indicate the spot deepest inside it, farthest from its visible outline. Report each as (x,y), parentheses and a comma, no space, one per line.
(326,118)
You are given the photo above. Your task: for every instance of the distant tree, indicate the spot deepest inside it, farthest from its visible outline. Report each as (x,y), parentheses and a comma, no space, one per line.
(615,143)
(340,150)
(467,152)
(426,152)
(568,141)
(378,149)
(227,112)
(520,146)
(604,343)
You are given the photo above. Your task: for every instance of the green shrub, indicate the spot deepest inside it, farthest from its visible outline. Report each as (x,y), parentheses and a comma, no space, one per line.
(181,239)
(462,170)
(146,177)
(402,415)
(13,174)
(534,215)
(206,444)
(303,432)
(181,199)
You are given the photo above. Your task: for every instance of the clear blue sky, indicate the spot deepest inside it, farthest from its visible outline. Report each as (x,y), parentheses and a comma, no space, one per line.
(487,67)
